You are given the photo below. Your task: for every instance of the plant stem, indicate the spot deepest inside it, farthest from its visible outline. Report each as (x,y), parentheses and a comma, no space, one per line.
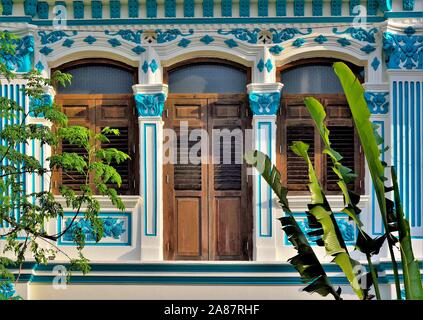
(395,269)
(374,277)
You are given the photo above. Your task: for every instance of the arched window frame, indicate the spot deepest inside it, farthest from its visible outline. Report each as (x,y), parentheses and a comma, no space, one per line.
(198,61)
(303,120)
(95,122)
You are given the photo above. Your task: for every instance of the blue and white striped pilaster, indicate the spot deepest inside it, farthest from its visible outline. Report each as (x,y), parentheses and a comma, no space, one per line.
(13,91)
(150,101)
(264,103)
(407,135)
(377,98)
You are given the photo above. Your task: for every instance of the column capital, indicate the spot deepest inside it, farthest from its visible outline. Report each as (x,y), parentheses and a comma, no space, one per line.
(150,99)
(264,97)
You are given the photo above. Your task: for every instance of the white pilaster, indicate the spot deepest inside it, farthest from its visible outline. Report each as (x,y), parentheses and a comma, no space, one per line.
(264,102)
(150,101)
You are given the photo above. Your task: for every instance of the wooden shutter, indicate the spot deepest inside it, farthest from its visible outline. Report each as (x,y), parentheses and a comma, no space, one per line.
(295,124)
(96,112)
(80,112)
(119,113)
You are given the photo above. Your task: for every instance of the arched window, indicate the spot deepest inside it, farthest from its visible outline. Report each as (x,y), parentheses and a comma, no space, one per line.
(207,76)
(99,96)
(316,78)
(98,76)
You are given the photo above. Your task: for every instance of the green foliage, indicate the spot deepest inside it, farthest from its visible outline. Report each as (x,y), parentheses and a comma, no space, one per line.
(306,261)
(410,266)
(28,236)
(391,215)
(321,214)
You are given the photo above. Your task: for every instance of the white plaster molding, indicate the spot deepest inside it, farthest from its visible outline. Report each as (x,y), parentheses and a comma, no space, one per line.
(376,86)
(264,88)
(150,88)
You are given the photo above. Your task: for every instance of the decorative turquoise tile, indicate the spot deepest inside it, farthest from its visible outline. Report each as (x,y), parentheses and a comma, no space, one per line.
(298,43)
(184,43)
(114,42)
(207,39)
(90,40)
(276,49)
(375,63)
(231,43)
(138,50)
(344,42)
(68,43)
(153,66)
(46,51)
(320,39)
(145,67)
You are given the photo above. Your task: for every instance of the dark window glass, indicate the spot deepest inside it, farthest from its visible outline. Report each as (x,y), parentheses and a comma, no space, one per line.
(311,79)
(207,78)
(90,79)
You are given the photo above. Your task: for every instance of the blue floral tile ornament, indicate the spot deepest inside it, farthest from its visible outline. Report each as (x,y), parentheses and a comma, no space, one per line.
(375,63)
(378,102)
(260,65)
(207,39)
(242,34)
(114,42)
(46,51)
(279,36)
(268,65)
(184,43)
(368,49)
(150,105)
(138,50)
(7,290)
(264,103)
(128,35)
(231,43)
(344,42)
(90,40)
(145,67)
(403,51)
(54,36)
(153,65)
(39,66)
(68,43)
(321,39)
(171,34)
(298,43)
(276,50)
(359,34)
(112,228)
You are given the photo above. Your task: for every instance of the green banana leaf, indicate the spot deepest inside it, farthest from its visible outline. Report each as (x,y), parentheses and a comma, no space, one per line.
(410,266)
(305,262)
(333,242)
(354,92)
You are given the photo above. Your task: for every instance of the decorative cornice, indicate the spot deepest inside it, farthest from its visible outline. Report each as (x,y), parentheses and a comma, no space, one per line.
(403,51)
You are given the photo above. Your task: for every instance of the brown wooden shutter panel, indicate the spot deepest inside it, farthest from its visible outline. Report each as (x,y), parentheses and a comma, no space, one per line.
(342,141)
(187,176)
(120,143)
(297,169)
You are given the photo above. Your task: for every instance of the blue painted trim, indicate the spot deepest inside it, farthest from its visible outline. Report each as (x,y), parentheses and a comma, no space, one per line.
(411,14)
(281,8)
(419,163)
(263,8)
(146,191)
(252,20)
(78,9)
(244,8)
(133,8)
(97,9)
(102,243)
(151,7)
(203,267)
(259,179)
(170,8)
(338,216)
(412,136)
(115,9)
(189,8)
(226,8)
(374,199)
